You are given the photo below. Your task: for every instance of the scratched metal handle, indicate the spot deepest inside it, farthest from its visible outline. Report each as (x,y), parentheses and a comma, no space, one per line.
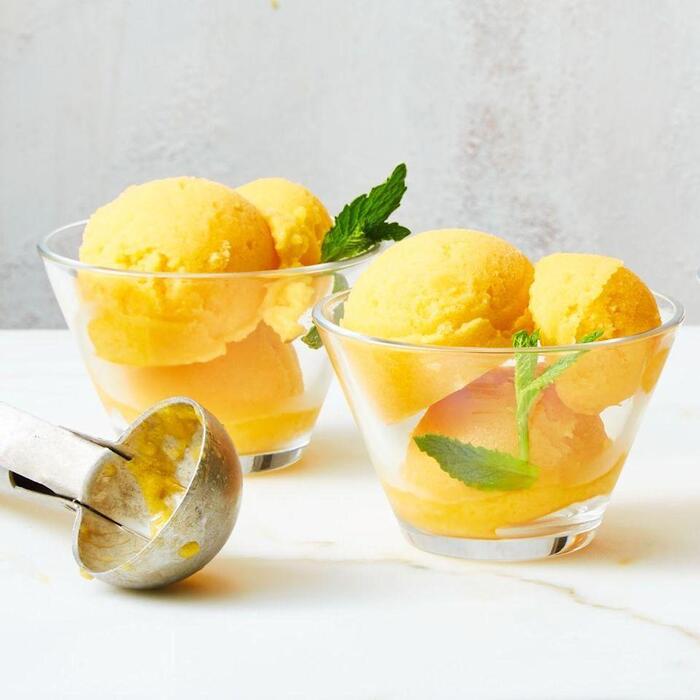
(44,453)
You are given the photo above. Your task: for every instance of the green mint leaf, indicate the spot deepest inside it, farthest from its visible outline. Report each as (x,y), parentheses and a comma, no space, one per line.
(388,232)
(592,336)
(478,467)
(383,200)
(523,339)
(362,223)
(312,337)
(347,239)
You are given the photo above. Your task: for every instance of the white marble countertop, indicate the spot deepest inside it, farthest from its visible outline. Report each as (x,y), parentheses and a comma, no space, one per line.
(317,595)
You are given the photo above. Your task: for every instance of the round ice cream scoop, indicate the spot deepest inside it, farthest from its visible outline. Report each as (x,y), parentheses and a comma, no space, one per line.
(574,294)
(454,287)
(297,219)
(152,508)
(160,234)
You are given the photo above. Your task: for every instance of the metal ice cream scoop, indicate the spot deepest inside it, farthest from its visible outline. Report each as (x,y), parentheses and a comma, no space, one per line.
(151,508)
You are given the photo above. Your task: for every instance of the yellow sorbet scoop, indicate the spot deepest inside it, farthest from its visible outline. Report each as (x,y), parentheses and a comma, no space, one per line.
(453,287)
(178,225)
(573,295)
(297,219)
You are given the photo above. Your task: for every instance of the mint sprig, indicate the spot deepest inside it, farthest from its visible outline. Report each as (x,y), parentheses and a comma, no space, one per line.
(360,226)
(528,387)
(484,469)
(478,467)
(363,223)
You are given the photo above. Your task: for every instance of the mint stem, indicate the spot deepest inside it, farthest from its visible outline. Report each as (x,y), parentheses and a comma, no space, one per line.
(528,387)
(525,365)
(524,436)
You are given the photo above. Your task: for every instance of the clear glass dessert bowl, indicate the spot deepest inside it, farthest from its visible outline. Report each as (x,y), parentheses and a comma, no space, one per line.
(236,342)
(497,453)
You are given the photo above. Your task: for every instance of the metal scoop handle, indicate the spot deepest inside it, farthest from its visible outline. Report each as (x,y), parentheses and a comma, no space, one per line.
(54,457)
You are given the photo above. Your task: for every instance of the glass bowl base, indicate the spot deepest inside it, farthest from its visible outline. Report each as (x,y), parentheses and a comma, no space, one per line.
(269,461)
(512,549)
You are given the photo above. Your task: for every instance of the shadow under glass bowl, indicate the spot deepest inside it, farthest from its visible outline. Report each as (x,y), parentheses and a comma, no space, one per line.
(464,477)
(231,341)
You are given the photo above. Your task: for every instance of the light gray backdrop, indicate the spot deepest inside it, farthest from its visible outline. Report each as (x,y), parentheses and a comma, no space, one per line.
(561,125)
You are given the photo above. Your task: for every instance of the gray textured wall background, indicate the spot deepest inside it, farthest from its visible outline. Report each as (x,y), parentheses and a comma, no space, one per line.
(561,125)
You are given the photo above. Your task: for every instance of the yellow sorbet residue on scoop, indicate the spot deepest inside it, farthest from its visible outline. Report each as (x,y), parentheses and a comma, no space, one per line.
(573,295)
(160,448)
(177,225)
(188,550)
(297,219)
(86,574)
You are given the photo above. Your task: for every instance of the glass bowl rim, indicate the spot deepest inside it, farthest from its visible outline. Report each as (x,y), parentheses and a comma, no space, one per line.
(49,254)
(320,318)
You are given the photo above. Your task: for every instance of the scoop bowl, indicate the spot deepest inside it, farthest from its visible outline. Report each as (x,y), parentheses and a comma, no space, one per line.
(198,526)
